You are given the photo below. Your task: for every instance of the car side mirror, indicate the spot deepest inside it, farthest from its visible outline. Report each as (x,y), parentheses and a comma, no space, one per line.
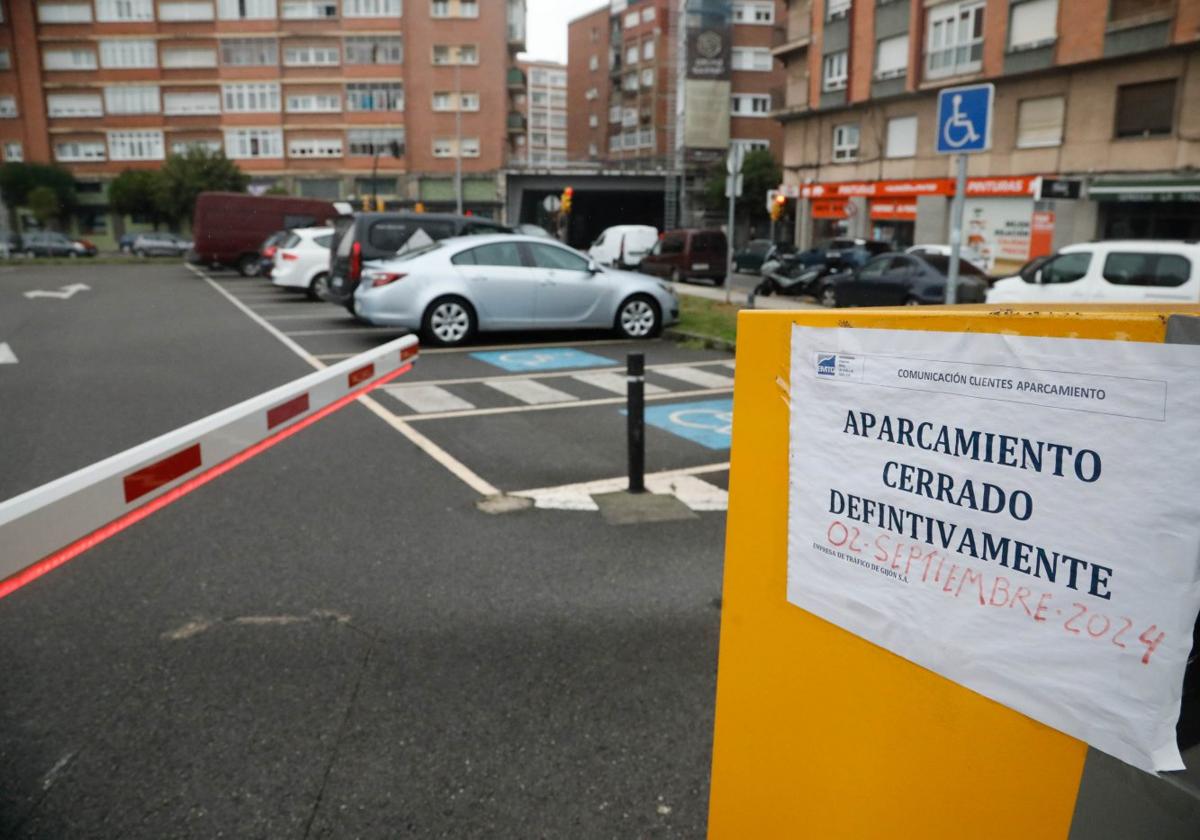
(593,267)
(1037,277)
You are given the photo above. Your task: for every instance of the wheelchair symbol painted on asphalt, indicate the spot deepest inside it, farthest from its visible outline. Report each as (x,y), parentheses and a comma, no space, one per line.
(549,358)
(709,419)
(708,423)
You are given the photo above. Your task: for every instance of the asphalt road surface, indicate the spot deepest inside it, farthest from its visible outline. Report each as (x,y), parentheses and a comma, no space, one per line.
(332,640)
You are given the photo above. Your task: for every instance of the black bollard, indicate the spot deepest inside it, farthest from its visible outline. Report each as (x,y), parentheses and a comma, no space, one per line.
(635,379)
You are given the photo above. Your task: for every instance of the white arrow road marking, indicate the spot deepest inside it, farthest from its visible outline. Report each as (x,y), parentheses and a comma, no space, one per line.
(682,484)
(7,356)
(64,293)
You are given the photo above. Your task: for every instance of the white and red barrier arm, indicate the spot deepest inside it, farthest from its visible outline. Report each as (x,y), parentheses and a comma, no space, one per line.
(49,525)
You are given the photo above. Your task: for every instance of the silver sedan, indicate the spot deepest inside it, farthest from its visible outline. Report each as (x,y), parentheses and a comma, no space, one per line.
(448,290)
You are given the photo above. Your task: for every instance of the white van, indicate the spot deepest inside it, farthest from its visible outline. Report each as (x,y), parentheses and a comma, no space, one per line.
(623,246)
(1119,271)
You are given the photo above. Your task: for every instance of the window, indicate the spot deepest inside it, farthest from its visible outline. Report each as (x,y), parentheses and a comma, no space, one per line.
(760,13)
(614,114)
(250,52)
(74,105)
(246,9)
(254,143)
(647,50)
(133,99)
(748,146)
(135,145)
(371,8)
(246,97)
(751,105)
(631,19)
(593,150)
(1146,110)
(449,101)
(193,102)
(314,103)
(14,152)
(505,254)
(1032,24)
(308,9)
(180,57)
(64,12)
(311,55)
(79,151)
(891,57)
(1066,268)
(444,147)
(901,137)
(1120,10)
(470,147)
(845,142)
(593,121)
(454,9)
(594,63)
(122,10)
(834,75)
(370,49)
(751,58)
(648,77)
(182,147)
(128,53)
(72,58)
(631,55)
(469,101)
(365,141)
(548,256)
(836,9)
(375,96)
(185,11)
(315,147)
(5,60)
(955,38)
(8,107)
(1040,122)
(647,14)
(1132,269)
(464,54)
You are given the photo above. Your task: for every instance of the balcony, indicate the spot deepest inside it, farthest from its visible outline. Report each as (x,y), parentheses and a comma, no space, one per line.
(516,79)
(516,122)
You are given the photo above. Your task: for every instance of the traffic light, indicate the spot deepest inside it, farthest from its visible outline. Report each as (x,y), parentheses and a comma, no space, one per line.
(419,207)
(778,204)
(567,195)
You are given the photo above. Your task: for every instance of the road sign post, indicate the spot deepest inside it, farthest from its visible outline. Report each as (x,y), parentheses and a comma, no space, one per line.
(964,126)
(733,169)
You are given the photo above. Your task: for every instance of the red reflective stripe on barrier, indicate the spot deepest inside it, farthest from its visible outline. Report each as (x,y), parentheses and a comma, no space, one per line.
(409,352)
(70,552)
(148,479)
(361,375)
(286,411)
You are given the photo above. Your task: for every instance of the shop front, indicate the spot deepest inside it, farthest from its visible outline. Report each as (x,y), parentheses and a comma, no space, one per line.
(1148,208)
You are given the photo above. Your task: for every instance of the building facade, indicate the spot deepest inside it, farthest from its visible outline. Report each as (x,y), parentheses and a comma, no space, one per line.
(1094,98)
(543,106)
(305,95)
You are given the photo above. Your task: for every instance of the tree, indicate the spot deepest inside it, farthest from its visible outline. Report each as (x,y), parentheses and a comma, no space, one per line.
(19,180)
(44,204)
(135,193)
(185,176)
(277,190)
(760,173)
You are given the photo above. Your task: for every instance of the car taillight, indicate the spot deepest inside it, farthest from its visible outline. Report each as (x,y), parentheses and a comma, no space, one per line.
(356,261)
(289,256)
(269,252)
(384,278)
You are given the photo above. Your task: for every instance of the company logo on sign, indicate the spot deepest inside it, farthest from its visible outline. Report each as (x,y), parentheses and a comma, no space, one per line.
(709,44)
(827,365)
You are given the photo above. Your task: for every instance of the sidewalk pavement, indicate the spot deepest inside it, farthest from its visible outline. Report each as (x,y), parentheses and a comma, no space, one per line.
(739,297)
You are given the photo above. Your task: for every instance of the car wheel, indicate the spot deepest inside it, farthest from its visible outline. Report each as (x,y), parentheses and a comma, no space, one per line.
(638,317)
(448,321)
(248,265)
(676,275)
(140,252)
(829,296)
(318,284)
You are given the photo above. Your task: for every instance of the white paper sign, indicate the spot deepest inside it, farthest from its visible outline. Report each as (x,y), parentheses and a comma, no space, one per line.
(1016,514)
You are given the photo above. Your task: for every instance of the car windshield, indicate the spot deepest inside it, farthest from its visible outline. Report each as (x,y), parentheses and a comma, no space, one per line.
(416,252)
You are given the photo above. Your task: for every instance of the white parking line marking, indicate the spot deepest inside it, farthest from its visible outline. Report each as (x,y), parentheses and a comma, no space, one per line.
(612,382)
(357,330)
(683,484)
(426,398)
(298,316)
(531,392)
(517,409)
(731,364)
(7,356)
(550,374)
(693,376)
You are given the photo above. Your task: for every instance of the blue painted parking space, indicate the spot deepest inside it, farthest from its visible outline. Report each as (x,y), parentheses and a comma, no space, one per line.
(548,358)
(708,423)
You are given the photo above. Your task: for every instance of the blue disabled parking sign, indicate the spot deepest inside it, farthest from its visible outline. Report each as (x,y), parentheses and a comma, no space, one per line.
(964,121)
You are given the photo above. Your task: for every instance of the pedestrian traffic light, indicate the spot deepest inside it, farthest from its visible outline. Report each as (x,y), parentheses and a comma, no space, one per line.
(778,203)
(567,195)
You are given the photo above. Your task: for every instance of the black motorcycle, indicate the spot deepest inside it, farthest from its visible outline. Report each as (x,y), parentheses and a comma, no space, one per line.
(797,279)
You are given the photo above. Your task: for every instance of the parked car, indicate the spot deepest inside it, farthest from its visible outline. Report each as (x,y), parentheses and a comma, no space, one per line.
(902,279)
(160,245)
(533,230)
(46,243)
(940,251)
(84,248)
(266,253)
(855,252)
(229,228)
(125,243)
(689,255)
(450,289)
(372,236)
(750,257)
(1117,271)
(302,260)
(623,246)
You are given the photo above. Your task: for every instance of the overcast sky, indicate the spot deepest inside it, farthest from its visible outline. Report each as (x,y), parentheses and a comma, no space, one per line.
(546,36)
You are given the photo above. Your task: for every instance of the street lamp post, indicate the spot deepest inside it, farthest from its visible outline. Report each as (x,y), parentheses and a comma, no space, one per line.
(458,185)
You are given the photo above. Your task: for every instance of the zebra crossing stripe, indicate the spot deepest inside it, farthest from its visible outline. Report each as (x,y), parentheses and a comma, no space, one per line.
(613,382)
(424,399)
(531,392)
(696,376)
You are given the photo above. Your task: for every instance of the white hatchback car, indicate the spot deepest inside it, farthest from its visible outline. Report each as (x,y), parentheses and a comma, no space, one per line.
(450,289)
(623,246)
(1118,271)
(302,260)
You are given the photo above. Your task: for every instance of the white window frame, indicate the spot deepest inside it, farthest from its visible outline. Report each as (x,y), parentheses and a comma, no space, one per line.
(748,145)
(389,89)
(946,23)
(753,12)
(313,102)
(843,150)
(1017,14)
(632,19)
(246,10)
(372,137)
(14,152)
(191,102)
(178,57)
(312,55)
(260,47)
(250,98)
(887,45)
(902,135)
(837,9)
(186,11)
(141,144)
(1049,142)
(64,12)
(128,53)
(752,59)
(124,11)
(240,142)
(385,49)
(132,99)
(751,105)
(835,71)
(81,58)
(8,107)
(315,148)
(372,8)
(80,151)
(74,105)
(181,147)
(308,9)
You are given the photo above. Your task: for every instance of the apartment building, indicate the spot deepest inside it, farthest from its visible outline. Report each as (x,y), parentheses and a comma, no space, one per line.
(543,106)
(306,95)
(1094,98)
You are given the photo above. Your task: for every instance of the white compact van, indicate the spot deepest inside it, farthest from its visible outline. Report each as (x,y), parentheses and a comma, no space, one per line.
(623,246)
(1119,271)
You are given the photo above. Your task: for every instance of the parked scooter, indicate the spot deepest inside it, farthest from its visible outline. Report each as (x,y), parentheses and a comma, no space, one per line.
(797,279)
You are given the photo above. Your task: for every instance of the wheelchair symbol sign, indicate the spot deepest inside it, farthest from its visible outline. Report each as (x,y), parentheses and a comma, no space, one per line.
(708,423)
(965,119)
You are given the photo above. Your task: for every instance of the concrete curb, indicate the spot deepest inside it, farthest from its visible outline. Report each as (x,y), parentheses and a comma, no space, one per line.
(709,342)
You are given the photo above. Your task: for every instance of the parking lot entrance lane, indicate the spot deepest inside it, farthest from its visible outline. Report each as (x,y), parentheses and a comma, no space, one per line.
(548,358)
(708,423)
